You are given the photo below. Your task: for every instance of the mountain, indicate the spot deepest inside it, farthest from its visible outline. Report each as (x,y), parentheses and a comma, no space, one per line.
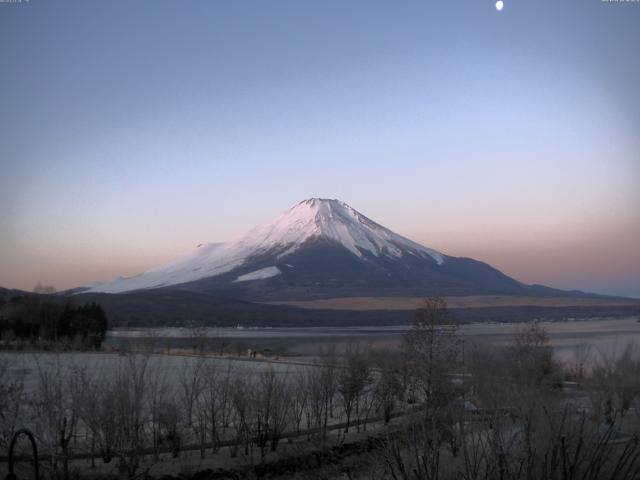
(7,293)
(322,248)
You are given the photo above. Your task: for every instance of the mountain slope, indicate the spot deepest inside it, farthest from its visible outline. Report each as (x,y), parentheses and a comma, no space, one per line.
(322,248)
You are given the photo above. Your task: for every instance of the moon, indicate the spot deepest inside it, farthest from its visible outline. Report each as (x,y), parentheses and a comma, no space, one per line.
(499,5)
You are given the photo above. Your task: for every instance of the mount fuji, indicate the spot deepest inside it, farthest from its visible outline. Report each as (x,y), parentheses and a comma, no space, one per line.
(322,248)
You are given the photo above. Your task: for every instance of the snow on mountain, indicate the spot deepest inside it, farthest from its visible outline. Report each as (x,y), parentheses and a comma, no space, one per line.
(337,221)
(315,218)
(261,274)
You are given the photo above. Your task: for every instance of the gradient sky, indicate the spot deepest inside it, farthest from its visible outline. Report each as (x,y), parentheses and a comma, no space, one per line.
(130,131)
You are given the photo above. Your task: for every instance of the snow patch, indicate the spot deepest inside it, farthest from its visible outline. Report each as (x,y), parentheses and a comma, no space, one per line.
(261,274)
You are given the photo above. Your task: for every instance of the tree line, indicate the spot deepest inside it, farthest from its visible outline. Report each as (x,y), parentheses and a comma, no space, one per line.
(51,320)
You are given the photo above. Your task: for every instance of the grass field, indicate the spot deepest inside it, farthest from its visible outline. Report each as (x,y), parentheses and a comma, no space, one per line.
(474,301)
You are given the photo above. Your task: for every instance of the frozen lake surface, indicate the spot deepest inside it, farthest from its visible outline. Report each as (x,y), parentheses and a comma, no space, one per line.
(605,336)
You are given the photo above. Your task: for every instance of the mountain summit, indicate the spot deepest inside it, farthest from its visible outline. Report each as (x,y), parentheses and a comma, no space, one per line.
(334,221)
(318,248)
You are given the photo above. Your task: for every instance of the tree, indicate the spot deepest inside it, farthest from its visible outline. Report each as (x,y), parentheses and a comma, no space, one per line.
(124,416)
(270,410)
(47,318)
(321,384)
(57,406)
(11,403)
(433,351)
(352,382)
(389,386)
(44,289)
(617,377)
(192,384)
(241,413)
(531,356)
(299,400)
(217,400)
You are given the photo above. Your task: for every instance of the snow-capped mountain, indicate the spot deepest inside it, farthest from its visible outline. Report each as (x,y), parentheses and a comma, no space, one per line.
(319,247)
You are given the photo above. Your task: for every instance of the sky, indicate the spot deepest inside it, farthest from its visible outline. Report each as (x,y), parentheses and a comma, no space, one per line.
(130,131)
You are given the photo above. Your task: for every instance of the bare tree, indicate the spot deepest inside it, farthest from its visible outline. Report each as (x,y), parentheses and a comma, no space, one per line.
(192,385)
(299,400)
(270,410)
(11,402)
(389,385)
(89,410)
(532,361)
(321,384)
(218,397)
(125,419)
(160,406)
(352,382)
(168,420)
(411,454)
(44,289)
(581,357)
(241,413)
(617,381)
(545,438)
(57,406)
(433,350)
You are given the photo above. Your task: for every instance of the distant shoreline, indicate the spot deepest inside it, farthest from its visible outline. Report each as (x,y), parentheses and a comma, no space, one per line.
(292,330)
(605,335)
(471,301)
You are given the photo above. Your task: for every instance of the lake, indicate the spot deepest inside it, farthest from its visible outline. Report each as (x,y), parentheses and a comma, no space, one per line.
(606,336)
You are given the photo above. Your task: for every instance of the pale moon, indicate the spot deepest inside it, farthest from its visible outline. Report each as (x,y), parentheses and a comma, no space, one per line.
(499,5)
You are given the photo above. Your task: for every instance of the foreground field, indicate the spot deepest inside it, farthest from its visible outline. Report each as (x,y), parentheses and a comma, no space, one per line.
(435,405)
(147,410)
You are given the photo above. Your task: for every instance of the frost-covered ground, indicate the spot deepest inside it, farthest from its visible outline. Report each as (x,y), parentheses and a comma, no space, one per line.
(172,368)
(167,376)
